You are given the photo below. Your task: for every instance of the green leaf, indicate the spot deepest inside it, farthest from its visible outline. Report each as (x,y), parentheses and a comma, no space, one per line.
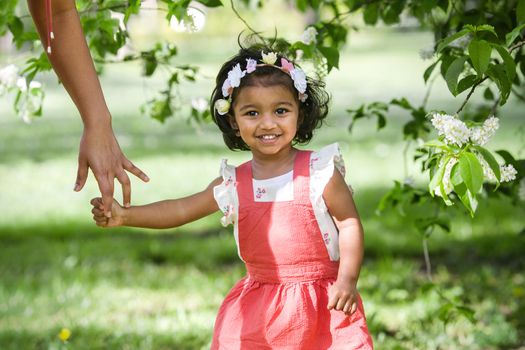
(479,52)
(488,95)
(211,3)
(371,13)
(332,56)
(520,11)
(491,161)
(453,72)
(466,83)
(510,37)
(429,71)
(438,176)
(498,74)
(508,61)
(16,26)
(445,42)
(471,172)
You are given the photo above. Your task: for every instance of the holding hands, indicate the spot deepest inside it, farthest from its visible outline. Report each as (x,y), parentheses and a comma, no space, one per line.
(342,296)
(99,213)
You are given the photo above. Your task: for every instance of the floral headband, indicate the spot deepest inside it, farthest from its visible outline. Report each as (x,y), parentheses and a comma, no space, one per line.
(222,106)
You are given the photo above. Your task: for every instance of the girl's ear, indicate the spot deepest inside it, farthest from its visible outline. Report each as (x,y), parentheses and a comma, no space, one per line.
(234,125)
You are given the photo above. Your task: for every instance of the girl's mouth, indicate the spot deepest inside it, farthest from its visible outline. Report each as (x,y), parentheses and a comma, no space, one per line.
(268,137)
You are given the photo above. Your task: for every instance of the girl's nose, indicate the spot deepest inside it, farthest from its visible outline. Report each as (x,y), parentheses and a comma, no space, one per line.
(268,121)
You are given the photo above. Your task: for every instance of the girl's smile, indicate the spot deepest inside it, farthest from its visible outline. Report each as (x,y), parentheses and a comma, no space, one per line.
(266,118)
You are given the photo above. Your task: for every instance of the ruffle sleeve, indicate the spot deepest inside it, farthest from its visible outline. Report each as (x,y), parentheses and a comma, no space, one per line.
(322,166)
(225,194)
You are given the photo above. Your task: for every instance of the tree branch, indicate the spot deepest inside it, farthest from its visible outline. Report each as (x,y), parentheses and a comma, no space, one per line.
(245,23)
(470,94)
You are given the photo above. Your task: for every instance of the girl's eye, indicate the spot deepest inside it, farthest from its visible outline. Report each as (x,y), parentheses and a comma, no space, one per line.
(281,111)
(251,113)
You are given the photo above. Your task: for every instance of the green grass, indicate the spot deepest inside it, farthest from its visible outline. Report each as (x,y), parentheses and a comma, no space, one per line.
(147,289)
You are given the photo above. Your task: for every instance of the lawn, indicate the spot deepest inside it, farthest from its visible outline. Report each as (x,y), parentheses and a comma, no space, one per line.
(147,289)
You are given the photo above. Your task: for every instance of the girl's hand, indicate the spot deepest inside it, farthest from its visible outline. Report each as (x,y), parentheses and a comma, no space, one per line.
(99,214)
(342,296)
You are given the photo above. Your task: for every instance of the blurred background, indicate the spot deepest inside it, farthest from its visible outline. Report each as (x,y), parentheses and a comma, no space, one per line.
(147,289)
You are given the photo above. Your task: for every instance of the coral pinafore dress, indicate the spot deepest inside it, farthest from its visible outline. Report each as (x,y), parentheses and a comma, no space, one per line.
(290,248)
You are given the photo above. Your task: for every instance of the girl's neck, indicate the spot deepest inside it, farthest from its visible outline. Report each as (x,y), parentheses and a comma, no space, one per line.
(265,167)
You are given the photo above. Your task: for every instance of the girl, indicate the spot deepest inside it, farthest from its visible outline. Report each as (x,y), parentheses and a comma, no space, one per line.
(294,219)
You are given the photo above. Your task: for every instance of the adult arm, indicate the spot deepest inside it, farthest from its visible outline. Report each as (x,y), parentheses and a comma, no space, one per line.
(340,204)
(72,62)
(163,214)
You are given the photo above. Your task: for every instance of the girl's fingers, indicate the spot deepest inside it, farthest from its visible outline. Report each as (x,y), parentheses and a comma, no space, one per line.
(97,203)
(354,308)
(340,304)
(97,212)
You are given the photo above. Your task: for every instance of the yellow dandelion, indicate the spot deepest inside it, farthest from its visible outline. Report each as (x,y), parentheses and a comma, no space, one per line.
(64,334)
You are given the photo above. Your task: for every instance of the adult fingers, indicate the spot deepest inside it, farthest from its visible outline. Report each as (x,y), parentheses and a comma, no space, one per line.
(105,185)
(126,187)
(129,166)
(82,174)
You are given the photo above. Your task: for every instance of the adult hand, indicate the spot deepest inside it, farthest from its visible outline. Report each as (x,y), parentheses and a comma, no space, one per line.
(99,150)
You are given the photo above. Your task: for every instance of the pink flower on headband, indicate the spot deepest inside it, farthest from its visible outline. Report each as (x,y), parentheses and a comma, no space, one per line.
(286,66)
(251,64)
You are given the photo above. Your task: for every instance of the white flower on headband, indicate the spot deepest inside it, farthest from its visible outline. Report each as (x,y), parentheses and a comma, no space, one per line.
(235,75)
(226,88)
(251,65)
(299,80)
(222,106)
(269,58)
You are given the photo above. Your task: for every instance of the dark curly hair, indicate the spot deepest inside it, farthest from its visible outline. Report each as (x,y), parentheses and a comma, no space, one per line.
(311,112)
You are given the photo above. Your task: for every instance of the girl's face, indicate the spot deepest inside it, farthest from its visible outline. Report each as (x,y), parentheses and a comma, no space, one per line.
(266,118)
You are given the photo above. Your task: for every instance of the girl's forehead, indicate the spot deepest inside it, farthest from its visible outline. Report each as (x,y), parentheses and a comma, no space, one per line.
(259,92)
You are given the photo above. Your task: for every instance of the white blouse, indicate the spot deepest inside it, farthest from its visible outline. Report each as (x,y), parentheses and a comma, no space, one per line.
(280,188)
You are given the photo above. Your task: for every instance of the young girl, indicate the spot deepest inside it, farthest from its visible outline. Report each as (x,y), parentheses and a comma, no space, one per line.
(294,220)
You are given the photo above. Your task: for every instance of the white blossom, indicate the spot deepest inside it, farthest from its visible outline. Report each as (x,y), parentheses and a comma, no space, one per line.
(299,79)
(269,58)
(508,173)
(222,106)
(309,35)
(481,135)
(199,104)
(235,75)
(453,129)
(488,174)
(8,76)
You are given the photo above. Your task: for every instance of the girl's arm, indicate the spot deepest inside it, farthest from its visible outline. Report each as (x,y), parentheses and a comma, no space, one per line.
(163,214)
(338,199)
(73,64)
